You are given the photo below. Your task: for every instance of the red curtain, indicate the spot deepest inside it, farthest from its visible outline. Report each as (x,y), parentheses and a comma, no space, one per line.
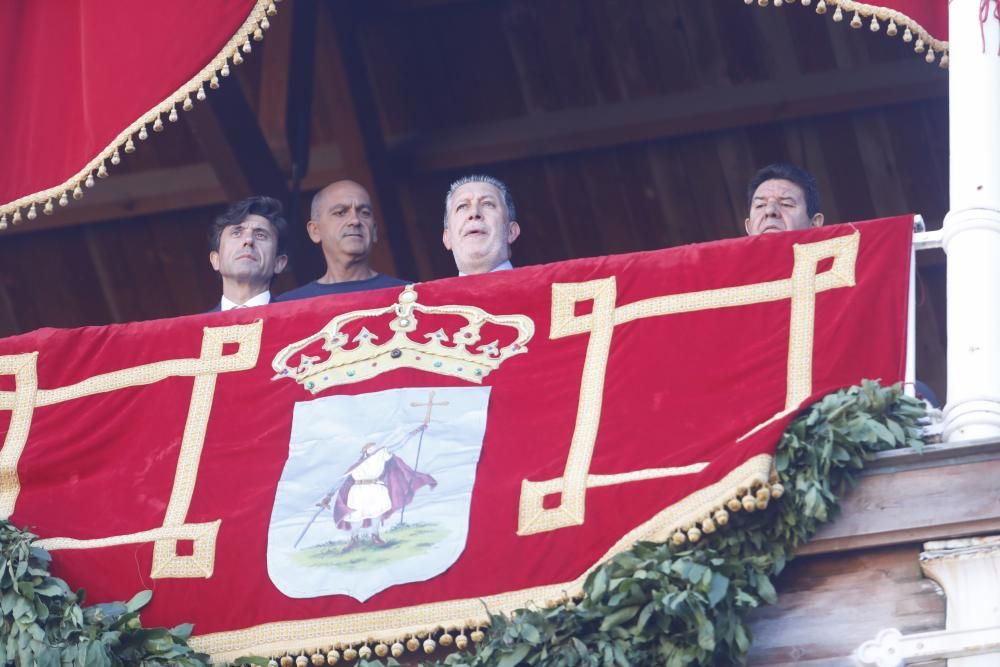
(78,74)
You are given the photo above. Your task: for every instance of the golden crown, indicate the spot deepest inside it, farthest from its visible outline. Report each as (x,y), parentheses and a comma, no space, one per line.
(366,359)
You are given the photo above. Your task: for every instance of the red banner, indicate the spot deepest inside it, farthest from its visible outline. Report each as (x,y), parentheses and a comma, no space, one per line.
(371,465)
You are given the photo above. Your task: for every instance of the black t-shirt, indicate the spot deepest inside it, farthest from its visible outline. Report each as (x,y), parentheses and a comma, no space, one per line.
(315,288)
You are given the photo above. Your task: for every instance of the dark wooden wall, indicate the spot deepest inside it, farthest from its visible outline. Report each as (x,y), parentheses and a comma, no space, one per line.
(621,125)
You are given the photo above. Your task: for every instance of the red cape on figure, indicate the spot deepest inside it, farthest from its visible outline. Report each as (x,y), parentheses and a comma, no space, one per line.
(400,479)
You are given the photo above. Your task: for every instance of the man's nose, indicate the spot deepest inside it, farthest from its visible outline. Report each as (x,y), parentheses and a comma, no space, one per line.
(772,208)
(475,212)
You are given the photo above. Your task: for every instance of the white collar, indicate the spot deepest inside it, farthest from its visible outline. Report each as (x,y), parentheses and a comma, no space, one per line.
(502,266)
(261,299)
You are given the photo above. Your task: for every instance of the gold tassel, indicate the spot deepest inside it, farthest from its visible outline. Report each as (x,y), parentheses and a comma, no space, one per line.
(892,30)
(365,652)
(48,208)
(89,183)
(301,661)
(748,2)
(225,69)
(778,3)
(129,145)
(246,47)
(856,21)
(143,135)
(944,60)
(64,199)
(749,503)
(777,490)
(258,35)
(429,646)
(806,3)
(287,661)
(929,58)
(272,663)
(397,649)
(237,57)
(734,505)
(721,517)
(77,192)
(838,15)
(350,654)
(3,221)
(907,35)
(874,26)
(693,534)
(102,171)
(265,24)
(477,635)
(271,9)
(678,538)
(821,7)
(200,95)
(116,157)
(214,82)
(446,639)
(461,641)
(762,3)
(16,218)
(919,46)
(318,659)
(381,650)
(157,126)
(32,212)
(333,657)
(172,117)
(413,644)
(708,526)
(188,104)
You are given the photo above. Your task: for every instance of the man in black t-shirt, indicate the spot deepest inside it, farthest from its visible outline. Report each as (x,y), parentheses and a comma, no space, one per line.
(342,222)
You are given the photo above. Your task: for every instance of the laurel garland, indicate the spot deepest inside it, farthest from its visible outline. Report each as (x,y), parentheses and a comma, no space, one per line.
(660,604)
(656,604)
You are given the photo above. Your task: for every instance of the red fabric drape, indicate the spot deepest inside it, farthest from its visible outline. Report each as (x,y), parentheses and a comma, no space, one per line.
(682,387)
(76,74)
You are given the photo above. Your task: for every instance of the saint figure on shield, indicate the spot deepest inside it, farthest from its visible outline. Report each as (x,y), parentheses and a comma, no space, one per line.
(375,486)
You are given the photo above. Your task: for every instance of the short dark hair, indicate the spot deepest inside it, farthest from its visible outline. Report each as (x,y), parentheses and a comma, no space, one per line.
(268,208)
(787,172)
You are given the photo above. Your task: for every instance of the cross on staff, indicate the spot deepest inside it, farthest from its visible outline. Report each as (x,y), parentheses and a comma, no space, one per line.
(427,420)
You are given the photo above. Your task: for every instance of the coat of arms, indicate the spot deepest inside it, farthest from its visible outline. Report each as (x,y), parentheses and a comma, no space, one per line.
(376,490)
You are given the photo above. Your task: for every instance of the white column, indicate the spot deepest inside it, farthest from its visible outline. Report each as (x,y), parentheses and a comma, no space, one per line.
(969,572)
(972,226)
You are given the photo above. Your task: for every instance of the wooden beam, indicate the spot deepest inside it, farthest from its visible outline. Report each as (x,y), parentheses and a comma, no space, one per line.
(164,190)
(668,116)
(358,109)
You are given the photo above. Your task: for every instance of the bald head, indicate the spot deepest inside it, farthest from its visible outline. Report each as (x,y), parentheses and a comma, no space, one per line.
(342,222)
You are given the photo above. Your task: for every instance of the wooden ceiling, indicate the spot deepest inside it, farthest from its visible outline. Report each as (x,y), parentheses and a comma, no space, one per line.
(620,125)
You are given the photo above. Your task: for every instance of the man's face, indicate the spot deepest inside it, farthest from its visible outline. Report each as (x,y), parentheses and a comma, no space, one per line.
(779,206)
(248,252)
(344,223)
(479,230)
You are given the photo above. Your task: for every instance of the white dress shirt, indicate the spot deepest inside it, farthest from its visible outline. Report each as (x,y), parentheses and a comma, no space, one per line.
(502,266)
(261,299)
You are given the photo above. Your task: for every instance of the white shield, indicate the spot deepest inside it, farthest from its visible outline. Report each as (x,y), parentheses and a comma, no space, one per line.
(396,495)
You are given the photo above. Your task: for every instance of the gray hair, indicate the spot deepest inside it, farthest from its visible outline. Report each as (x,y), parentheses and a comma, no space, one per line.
(508,199)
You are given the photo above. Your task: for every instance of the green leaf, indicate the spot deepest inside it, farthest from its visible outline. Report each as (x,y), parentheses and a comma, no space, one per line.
(514,658)
(618,617)
(139,600)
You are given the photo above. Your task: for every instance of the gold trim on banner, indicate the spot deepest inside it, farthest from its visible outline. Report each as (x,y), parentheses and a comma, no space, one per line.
(800,289)
(252,29)
(205,369)
(304,636)
(874,16)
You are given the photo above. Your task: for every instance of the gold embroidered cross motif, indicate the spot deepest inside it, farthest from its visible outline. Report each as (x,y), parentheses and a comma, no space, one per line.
(801,289)
(205,368)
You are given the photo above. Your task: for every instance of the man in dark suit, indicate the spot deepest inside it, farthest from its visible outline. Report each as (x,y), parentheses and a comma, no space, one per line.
(247,249)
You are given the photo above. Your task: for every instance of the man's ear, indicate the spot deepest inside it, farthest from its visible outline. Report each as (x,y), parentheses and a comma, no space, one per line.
(445,239)
(513,231)
(213,259)
(312,229)
(746,226)
(817,220)
(280,262)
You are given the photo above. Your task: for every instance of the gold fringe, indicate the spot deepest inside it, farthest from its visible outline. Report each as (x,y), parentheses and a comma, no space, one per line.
(408,628)
(255,23)
(880,15)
